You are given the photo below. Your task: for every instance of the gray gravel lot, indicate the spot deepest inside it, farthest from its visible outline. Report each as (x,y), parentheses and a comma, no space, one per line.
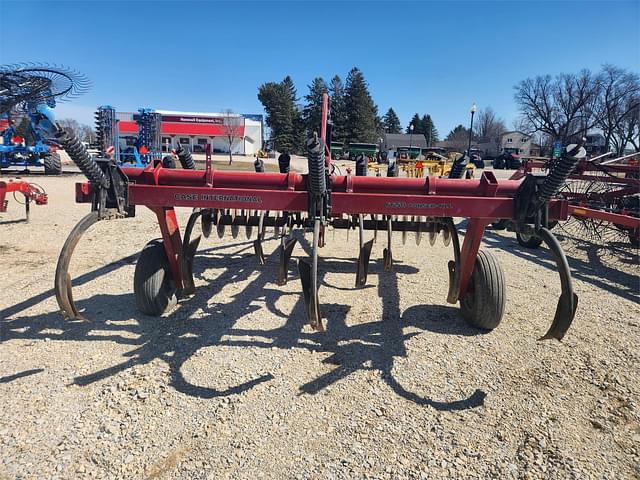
(232,384)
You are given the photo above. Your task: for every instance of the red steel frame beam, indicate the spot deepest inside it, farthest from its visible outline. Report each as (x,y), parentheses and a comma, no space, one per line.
(615,218)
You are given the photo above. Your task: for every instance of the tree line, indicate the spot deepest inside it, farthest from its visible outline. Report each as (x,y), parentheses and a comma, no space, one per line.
(570,105)
(353,112)
(562,108)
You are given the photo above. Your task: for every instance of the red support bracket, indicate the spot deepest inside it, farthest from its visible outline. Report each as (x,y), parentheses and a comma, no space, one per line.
(469,252)
(171,240)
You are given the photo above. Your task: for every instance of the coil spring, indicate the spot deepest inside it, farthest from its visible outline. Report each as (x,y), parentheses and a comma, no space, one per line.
(186,160)
(315,156)
(557,178)
(80,157)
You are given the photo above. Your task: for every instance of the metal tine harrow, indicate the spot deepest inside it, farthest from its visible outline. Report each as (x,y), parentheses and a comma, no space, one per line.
(288,200)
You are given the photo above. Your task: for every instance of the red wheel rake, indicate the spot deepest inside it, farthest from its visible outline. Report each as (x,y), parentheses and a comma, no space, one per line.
(313,202)
(604,200)
(30,191)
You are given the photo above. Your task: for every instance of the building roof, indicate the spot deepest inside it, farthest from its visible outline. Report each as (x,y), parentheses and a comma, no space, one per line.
(515,131)
(404,140)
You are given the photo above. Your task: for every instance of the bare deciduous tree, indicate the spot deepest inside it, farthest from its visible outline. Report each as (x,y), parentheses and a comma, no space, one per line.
(84,132)
(488,126)
(233,126)
(617,107)
(561,107)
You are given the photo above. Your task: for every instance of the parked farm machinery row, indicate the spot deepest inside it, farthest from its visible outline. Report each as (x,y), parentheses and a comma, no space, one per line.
(604,200)
(257,201)
(147,147)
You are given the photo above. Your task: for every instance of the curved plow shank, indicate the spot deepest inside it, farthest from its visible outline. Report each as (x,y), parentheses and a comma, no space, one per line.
(285,249)
(309,278)
(189,251)
(453,265)
(568,301)
(387,256)
(62,283)
(363,263)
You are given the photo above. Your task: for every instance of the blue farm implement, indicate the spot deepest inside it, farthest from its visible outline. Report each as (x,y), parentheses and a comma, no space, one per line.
(29,92)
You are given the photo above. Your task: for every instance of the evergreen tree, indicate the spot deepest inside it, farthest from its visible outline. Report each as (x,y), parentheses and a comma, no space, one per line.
(297,121)
(391,122)
(417,124)
(338,114)
(312,112)
(276,99)
(458,132)
(361,112)
(429,129)
(459,138)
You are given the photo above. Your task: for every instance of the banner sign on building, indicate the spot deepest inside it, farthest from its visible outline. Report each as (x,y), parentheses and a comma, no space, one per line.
(186,119)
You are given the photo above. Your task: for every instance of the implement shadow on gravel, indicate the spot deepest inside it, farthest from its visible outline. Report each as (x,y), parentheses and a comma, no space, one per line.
(177,337)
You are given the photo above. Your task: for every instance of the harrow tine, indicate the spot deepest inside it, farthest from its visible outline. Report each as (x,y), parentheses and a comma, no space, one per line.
(446,236)
(568,301)
(62,283)
(220,228)
(433,235)
(285,250)
(404,230)
(235,228)
(257,247)
(276,226)
(375,227)
(206,222)
(386,253)
(419,231)
(363,255)
(309,278)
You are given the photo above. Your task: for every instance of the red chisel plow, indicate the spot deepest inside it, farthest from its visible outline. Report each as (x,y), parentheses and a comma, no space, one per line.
(30,191)
(287,201)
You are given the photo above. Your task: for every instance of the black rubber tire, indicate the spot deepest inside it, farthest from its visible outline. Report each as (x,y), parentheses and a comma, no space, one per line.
(52,164)
(500,224)
(528,241)
(169,161)
(154,289)
(483,304)
(468,174)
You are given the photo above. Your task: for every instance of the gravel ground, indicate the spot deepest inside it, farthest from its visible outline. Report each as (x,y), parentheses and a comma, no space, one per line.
(232,384)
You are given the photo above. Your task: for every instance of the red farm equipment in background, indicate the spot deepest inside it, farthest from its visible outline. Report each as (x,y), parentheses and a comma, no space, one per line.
(31,192)
(604,200)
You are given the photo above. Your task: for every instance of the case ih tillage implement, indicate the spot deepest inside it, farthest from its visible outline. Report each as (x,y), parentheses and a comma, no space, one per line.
(313,202)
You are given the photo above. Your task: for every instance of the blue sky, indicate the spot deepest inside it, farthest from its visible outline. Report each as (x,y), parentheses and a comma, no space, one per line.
(426,57)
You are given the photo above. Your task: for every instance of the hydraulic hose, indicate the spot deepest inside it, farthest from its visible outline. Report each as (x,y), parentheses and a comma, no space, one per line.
(315,158)
(80,157)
